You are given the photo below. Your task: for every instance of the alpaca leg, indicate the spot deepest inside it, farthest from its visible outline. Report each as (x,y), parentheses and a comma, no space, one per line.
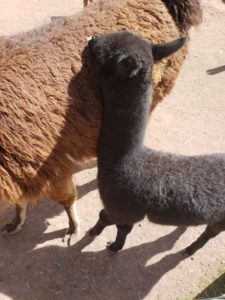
(73,218)
(122,232)
(103,221)
(18,221)
(210,232)
(64,192)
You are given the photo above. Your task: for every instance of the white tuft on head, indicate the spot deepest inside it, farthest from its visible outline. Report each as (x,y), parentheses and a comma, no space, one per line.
(89,38)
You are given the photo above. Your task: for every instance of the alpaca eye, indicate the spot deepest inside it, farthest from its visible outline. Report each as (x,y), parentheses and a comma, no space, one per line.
(134,72)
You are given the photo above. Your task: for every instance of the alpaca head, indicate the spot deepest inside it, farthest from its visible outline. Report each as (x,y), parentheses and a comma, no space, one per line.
(125,56)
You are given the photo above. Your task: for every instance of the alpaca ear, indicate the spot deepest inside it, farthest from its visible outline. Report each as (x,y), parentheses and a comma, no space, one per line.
(160,51)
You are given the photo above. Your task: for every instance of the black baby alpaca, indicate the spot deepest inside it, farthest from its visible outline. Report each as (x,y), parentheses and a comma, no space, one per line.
(135,181)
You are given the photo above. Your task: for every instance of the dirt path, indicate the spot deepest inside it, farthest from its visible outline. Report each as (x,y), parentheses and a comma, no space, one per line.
(36,264)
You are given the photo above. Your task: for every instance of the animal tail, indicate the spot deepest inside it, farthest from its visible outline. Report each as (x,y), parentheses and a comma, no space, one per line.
(186,13)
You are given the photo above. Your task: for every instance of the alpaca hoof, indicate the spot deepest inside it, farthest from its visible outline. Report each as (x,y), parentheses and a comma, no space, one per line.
(70,236)
(11,228)
(113,246)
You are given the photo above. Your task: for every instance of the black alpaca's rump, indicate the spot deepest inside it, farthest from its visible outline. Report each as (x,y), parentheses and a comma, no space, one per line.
(186,13)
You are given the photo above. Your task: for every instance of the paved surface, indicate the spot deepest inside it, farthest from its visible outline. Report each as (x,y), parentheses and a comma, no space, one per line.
(36,264)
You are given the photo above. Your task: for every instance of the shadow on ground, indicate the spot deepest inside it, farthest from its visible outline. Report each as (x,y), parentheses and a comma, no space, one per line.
(217,70)
(83,190)
(30,270)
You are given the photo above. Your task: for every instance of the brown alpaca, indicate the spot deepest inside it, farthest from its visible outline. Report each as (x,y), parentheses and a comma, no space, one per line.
(50,112)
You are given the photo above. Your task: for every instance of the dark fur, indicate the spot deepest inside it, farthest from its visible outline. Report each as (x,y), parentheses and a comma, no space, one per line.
(133,180)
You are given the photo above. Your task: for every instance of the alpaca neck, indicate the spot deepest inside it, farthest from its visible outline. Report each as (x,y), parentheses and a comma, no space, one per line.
(124,121)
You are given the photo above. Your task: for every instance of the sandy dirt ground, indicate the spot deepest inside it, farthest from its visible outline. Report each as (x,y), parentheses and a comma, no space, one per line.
(36,264)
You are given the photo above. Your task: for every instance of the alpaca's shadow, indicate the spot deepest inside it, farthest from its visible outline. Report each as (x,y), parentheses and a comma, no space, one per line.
(217,70)
(86,188)
(54,272)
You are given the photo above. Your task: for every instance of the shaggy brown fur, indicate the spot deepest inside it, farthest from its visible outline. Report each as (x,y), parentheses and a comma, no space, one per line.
(49,109)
